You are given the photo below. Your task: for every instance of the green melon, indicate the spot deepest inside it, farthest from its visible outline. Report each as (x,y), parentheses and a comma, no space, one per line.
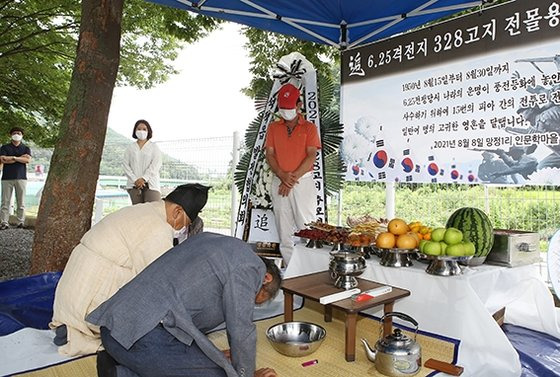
(476,227)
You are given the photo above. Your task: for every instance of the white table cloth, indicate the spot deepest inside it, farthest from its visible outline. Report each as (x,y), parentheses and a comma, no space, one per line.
(461,306)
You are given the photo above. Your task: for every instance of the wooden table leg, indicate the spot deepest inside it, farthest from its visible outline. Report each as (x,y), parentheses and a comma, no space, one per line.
(328,313)
(388,322)
(288,307)
(350,348)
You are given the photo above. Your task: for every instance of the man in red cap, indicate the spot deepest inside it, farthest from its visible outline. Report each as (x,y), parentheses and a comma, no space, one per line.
(291,147)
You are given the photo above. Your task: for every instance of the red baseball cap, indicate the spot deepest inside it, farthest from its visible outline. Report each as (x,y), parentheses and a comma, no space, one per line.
(288,96)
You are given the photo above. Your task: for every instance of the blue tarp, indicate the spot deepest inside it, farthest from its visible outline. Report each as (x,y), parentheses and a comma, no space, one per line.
(539,353)
(27,302)
(339,23)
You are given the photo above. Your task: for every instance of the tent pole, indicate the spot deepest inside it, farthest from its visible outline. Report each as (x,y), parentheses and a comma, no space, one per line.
(390,200)
(235,161)
(339,208)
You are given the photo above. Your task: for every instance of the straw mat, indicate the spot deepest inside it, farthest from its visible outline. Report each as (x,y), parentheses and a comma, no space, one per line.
(81,367)
(330,355)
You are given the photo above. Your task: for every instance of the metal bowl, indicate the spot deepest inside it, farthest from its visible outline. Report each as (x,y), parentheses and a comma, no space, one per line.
(296,339)
(314,244)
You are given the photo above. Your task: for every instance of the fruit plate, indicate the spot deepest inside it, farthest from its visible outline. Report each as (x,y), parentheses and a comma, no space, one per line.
(394,250)
(444,257)
(443,265)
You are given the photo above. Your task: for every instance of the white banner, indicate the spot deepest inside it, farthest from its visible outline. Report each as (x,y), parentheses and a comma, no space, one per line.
(482,107)
(263,226)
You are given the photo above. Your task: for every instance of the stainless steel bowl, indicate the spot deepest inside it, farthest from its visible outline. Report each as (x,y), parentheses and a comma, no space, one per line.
(296,339)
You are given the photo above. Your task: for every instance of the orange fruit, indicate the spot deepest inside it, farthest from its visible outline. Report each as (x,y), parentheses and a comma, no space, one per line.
(424,229)
(416,236)
(406,241)
(385,240)
(428,236)
(397,227)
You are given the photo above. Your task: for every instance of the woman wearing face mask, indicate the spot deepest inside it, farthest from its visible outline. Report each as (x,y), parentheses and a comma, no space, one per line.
(113,252)
(142,161)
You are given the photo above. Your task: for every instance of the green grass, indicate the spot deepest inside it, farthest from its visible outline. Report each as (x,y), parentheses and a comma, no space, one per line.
(534,209)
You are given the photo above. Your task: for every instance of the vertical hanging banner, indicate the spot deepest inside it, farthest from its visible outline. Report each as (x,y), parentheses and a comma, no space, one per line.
(295,69)
(472,100)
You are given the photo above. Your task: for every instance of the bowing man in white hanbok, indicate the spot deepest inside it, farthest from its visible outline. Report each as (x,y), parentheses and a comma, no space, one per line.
(113,252)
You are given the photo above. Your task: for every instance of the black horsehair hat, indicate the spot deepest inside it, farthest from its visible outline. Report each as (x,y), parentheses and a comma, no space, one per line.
(191,196)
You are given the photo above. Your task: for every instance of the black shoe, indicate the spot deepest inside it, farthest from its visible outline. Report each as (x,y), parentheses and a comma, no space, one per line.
(4,226)
(106,365)
(21,226)
(61,335)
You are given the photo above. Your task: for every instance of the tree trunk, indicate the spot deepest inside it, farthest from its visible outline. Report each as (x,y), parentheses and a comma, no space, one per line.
(68,196)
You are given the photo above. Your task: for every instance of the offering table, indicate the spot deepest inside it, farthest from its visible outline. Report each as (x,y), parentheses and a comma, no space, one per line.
(314,286)
(460,307)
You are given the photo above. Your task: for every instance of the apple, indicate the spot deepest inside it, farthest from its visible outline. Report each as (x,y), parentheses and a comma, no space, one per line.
(452,236)
(421,245)
(437,234)
(432,248)
(456,250)
(443,247)
(469,248)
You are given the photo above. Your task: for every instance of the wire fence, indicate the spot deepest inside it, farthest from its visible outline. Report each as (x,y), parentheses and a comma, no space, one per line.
(530,208)
(210,161)
(203,160)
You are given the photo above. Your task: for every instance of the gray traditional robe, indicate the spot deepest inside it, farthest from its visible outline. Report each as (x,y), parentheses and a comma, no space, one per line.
(194,287)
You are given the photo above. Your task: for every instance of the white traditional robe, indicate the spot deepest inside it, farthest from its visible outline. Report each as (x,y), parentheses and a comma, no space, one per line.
(108,256)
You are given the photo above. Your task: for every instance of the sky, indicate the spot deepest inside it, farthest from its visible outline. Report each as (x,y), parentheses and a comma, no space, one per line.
(202,101)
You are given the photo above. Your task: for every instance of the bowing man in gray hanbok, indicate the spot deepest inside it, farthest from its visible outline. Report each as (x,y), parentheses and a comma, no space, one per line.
(156,324)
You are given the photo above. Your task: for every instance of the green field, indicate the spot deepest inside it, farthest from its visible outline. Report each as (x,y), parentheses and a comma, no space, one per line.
(522,208)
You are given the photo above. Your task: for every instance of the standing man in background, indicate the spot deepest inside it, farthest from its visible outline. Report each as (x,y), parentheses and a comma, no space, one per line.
(291,147)
(14,156)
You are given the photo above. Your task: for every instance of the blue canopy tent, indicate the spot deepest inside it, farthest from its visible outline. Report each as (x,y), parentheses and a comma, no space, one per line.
(339,23)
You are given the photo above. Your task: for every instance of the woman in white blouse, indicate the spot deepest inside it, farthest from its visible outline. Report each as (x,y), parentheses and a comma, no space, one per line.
(142,161)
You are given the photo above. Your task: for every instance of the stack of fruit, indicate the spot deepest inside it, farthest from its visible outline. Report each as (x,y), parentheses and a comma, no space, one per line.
(399,235)
(447,241)
(422,231)
(476,227)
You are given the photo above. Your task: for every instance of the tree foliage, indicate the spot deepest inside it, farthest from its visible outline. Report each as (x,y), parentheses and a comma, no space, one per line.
(38,46)
(266,48)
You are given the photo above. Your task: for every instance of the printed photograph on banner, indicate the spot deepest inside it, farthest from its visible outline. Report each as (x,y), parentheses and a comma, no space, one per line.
(487,119)
(472,100)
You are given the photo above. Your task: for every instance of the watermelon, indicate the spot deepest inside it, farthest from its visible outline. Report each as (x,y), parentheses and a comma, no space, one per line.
(476,227)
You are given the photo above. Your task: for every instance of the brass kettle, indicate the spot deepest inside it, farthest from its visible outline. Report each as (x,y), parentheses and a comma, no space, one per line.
(396,355)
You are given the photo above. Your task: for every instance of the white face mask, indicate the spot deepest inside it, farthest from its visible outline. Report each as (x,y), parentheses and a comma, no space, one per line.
(287,114)
(17,137)
(141,134)
(180,232)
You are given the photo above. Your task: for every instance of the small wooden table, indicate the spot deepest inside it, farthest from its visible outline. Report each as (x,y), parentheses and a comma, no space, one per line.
(314,286)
